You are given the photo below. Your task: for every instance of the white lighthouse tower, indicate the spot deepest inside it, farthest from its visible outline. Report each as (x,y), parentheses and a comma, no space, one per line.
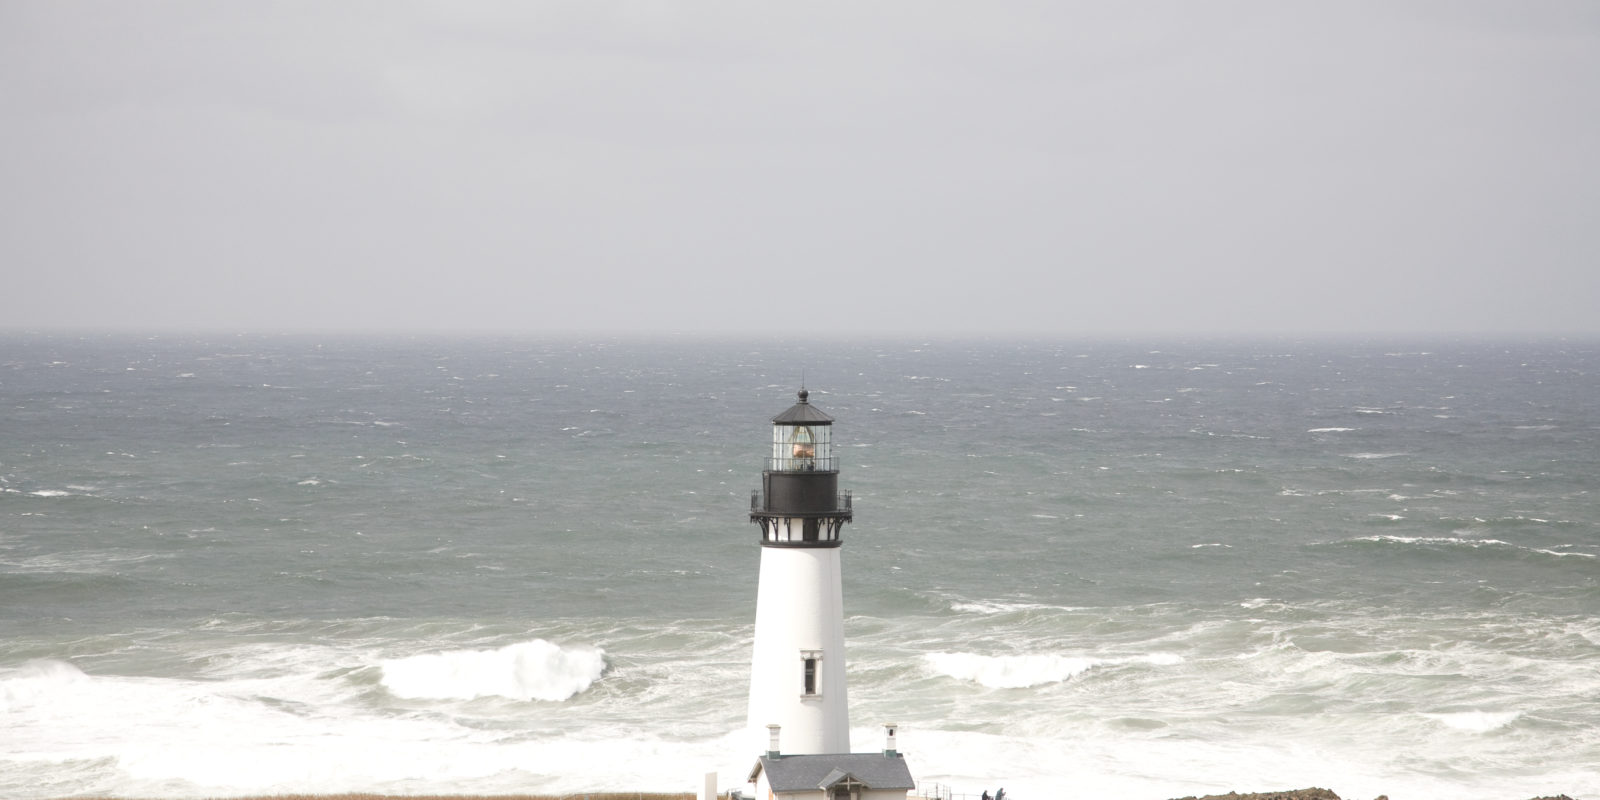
(797,689)
(797,671)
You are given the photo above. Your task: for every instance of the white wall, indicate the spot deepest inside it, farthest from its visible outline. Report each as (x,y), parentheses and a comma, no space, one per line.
(799,607)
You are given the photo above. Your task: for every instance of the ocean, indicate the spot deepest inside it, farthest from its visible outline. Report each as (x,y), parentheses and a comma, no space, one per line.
(1078,569)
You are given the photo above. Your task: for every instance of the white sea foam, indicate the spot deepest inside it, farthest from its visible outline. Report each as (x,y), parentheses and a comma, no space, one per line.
(1476,721)
(79,562)
(536,670)
(1008,672)
(1030,669)
(1559,554)
(994,607)
(271,719)
(1471,543)
(50,493)
(286,733)
(1447,540)
(34,681)
(1330,430)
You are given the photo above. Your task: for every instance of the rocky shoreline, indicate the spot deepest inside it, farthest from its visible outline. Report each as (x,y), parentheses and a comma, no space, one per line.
(1305,794)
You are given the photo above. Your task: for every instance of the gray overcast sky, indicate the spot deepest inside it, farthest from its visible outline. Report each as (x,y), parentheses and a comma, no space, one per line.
(909,167)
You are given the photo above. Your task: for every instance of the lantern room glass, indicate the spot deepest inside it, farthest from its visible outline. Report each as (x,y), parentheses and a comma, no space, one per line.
(802,448)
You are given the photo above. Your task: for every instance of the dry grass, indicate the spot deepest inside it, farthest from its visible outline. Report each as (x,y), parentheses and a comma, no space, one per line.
(573,796)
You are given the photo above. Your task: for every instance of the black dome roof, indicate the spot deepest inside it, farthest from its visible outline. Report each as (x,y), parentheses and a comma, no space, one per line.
(803,413)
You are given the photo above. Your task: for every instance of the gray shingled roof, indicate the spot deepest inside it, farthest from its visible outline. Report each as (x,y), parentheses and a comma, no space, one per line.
(803,413)
(808,773)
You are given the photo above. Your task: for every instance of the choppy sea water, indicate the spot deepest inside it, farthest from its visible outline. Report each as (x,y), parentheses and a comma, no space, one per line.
(246,564)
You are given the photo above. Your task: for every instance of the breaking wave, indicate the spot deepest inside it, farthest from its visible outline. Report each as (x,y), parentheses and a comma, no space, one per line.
(995,607)
(1476,721)
(35,681)
(536,670)
(1028,670)
(1474,544)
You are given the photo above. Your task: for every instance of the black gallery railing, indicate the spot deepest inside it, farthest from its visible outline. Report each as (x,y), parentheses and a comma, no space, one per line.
(758,502)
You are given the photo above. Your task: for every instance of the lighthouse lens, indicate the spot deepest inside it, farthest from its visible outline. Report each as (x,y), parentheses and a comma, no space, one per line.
(804,448)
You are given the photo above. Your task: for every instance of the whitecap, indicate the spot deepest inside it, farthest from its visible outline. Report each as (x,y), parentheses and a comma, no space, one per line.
(1030,669)
(1457,541)
(535,670)
(1559,554)
(1433,540)
(993,607)
(37,682)
(1154,659)
(1476,721)
(1008,672)
(1329,430)
(50,493)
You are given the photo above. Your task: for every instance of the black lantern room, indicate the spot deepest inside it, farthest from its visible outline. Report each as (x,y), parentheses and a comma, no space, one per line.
(799,503)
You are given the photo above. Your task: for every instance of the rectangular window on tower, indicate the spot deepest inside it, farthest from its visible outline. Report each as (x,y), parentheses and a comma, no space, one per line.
(808,661)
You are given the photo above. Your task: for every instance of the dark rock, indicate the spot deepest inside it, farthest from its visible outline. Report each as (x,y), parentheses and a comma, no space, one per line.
(1297,794)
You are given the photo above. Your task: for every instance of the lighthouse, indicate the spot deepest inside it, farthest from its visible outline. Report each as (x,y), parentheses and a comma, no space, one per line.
(798,701)
(797,670)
